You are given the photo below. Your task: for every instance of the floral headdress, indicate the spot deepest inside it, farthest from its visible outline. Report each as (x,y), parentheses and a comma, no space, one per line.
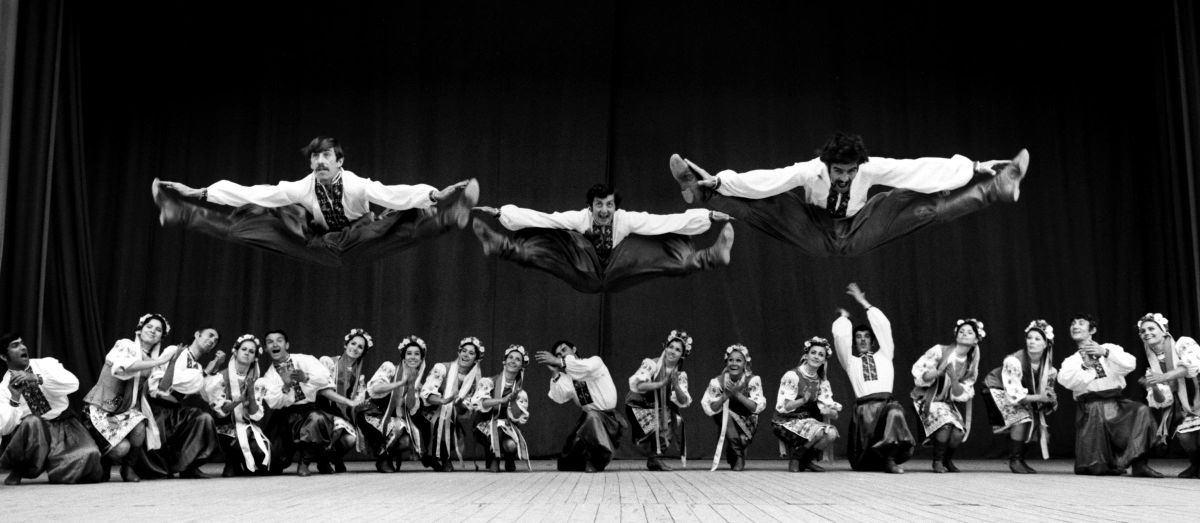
(359,332)
(471,340)
(739,348)
(154,316)
(976,324)
(1043,327)
(815,340)
(519,349)
(1154,317)
(413,341)
(248,337)
(682,337)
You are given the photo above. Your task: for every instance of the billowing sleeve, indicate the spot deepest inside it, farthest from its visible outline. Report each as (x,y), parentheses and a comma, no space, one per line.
(433,382)
(10,416)
(329,364)
(1121,362)
(582,369)
(123,354)
(1074,376)
(843,340)
(923,175)
(562,389)
(644,374)
(686,398)
(763,183)
(1189,355)
(319,377)
(399,197)
(825,399)
(927,362)
(272,391)
(154,380)
(1165,391)
(189,378)
(214,391)
(226,192)
(690,222)
(787,391)
(56,379)
(1011,376)
(967,383)
(712,393)
(483,390)
(384,376)
(516,218)
(883,331)
(523,405)
(756,395)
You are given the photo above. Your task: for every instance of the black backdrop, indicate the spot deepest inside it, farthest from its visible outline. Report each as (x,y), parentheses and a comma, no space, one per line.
(540,100)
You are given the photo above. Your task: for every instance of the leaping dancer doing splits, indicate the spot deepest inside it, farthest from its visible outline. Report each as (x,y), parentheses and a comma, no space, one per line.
(324,217)
(833,216)
(605,248)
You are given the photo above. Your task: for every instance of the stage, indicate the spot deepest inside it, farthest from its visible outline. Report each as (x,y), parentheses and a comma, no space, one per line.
(985,491)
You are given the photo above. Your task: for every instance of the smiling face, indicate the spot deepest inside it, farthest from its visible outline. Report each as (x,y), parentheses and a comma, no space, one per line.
(467,354)
(355,347)
(16,355)
(1035,344)
(412,356)
(841,174)
(965,335)
(206,339)
(673,352)
(816,355)
(277,346)
(603,209)
(152,332)
(1082,330)
(736,363)
(514,362)
(1151,333)
(246,352)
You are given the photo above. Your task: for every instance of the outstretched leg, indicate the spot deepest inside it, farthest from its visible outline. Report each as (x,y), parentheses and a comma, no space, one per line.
(639,258)
(396,231)
(566,255)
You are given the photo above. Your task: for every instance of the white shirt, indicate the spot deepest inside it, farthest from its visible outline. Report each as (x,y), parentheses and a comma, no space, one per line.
(624,223)
(716,391)
(924,175)
(272,383)
(649,370)
(885,371)
(357,194)
(57,384)
(1116,365)
(593,374)
(188,377)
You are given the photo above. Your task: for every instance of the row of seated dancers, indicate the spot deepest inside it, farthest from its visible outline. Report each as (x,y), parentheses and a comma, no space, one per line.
(158,412)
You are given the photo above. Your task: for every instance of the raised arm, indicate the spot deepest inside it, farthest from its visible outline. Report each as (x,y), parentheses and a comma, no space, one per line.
(843,338)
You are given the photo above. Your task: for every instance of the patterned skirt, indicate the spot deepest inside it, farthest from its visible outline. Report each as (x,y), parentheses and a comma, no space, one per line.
(111,429)
(939,415)
(1004,414)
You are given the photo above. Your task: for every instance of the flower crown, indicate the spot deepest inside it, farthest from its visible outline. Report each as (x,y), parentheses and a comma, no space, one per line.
(471,340)
(154,316)
(979,332)
(517,348)
(815,340)
(739,348)
(1154,317)
(683,338)
(1043,326)
(359,332)
(248,337)
(413,341)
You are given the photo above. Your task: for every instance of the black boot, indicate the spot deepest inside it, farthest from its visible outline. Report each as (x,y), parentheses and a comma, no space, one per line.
(810,461)
(949,461)
(1141,469)
(793,465)
(655,463)
(383,464)
(939,457)
(1016,458)
(510,463)
(1193,470)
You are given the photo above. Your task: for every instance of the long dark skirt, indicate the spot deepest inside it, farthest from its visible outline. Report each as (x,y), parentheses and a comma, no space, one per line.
(1110,433)
(300,429)
(189,436)
(594,440)
(570,257)
(61,448)
(878,431)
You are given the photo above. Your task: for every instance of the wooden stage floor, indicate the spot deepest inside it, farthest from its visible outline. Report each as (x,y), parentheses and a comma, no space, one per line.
(985,491)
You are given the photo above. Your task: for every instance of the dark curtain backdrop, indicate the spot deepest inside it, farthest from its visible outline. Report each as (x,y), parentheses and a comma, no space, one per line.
(540,100)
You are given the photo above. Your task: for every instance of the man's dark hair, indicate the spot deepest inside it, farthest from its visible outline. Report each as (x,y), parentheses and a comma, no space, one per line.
(1088,318)
(206,326)
(601,190)
(10,337)
(280,332)
(554,347)
(321,144)
(844,148)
